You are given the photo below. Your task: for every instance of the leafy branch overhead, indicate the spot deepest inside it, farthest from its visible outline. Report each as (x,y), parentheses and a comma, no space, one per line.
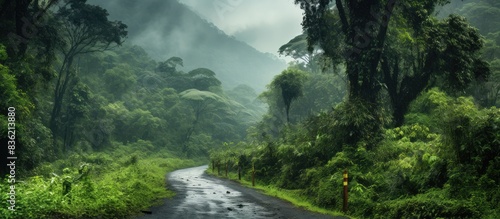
(85,28)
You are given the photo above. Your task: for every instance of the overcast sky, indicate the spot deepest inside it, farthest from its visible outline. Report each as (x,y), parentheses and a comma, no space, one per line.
(263,24)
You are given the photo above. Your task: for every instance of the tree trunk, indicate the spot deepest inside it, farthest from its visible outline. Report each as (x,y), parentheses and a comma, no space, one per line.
(403,93)
(22,7)
(61,86)
(365,48)
(287,111)
(239,172)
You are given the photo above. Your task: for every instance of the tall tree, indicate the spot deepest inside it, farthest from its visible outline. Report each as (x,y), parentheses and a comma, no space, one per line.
(413,62)
(297,48)
(169,66)
(356,33)
(21,23)
(289,83)
(85,29)
(203,104)
(204,79)
(325,86)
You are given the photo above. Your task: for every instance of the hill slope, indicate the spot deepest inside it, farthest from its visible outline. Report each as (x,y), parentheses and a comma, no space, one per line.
(168,28)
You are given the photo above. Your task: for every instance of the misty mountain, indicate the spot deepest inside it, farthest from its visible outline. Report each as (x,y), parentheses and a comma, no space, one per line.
(166,28)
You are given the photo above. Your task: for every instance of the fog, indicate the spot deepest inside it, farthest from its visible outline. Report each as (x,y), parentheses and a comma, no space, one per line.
(253,21)
(229,37)
(396,108)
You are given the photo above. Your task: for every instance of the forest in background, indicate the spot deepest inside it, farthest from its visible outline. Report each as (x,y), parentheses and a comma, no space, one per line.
(99,122)
(403,95)
(173,29)
(412,112)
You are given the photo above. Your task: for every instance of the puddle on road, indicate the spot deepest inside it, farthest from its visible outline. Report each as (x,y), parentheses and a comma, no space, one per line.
(208,198)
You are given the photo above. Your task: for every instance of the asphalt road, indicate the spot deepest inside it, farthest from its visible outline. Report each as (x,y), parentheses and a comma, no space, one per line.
(199,195)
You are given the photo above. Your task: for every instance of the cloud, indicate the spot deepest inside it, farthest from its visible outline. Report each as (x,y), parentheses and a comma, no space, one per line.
(263,24)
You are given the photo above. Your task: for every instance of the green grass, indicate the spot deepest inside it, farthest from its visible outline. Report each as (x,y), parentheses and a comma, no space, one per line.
(293,196)
(118,185)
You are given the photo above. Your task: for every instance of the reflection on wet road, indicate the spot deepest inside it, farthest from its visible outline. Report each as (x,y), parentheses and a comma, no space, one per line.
(203,196)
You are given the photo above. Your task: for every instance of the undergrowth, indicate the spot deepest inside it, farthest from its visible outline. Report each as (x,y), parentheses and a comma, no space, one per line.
(113,184)
(443,162)
(297,197)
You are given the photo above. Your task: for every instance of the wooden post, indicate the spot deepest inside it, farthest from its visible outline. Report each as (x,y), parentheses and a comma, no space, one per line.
(253,174)
(213,166)
(218,168)
(239,172)
(227,166)
(344,208)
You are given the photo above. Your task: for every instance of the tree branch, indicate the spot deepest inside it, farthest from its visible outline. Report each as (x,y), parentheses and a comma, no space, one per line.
(343,18)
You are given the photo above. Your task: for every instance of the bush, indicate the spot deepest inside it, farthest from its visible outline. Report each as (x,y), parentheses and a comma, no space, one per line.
(329,193)
(103,187)
(426,207)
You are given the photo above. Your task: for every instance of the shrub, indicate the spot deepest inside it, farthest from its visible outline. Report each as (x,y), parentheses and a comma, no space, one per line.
(426,207)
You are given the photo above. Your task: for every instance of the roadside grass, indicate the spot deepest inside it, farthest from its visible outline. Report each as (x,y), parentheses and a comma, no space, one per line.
(293,196)
(113,184)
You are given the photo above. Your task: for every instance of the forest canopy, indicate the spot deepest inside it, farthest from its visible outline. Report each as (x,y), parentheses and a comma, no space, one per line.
(402,94)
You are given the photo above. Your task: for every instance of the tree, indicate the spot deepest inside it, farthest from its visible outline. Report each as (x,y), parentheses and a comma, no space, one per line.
(290,83)
(84,29)
(310,59)
(204,79)
(131,125)
(485,15)
(21,24)
(412,63)
(30,37)
(297,48)
(325,86)
(360,50)
(353,33)
(362,34)
(77,111)
(169,66)
(119,80)
(203,103)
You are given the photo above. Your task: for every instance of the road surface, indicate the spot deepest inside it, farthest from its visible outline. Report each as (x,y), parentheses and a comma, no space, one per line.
(199,195)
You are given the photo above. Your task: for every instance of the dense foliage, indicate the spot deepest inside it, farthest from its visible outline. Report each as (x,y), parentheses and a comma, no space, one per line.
(113,184)
(402,94)
(99,123)
(418,129)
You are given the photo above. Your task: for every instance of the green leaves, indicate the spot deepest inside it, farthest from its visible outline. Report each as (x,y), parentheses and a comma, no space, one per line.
(290,84)
(296,48)
(169,66)
(131,125)
(109,189)
(204,79)
(119,79)
(197,95)
(91,23)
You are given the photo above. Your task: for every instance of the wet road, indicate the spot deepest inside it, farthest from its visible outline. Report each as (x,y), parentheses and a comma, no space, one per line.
(199,195)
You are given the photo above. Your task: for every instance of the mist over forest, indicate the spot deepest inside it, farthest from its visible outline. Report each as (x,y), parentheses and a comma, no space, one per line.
(103,101)
(169,28)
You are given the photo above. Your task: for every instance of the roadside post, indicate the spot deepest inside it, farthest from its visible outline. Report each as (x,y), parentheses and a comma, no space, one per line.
(218,168)
(239,172)
(227,166)
(344,208)
(253,174)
